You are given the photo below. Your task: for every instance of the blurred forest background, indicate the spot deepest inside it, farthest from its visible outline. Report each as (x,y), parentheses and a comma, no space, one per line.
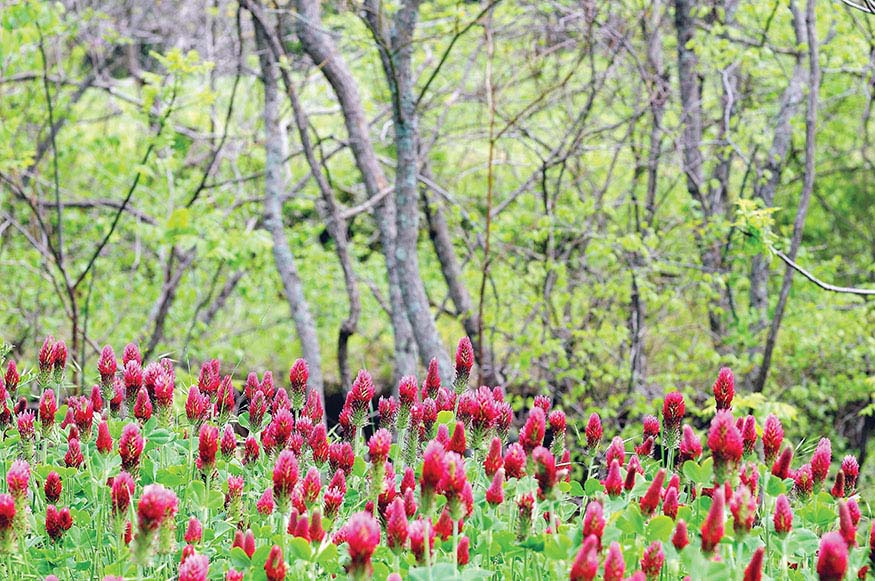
(600,194)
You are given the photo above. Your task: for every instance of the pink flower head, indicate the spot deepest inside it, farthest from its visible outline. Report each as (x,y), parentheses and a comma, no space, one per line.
(234,575)
(616,451)
(228,444)
(361,393)
(650,426)
(196,405)
(781,467)
(838,489)
(613,483)
(532,434)
(133,378)
(545,470)
(543,402)
(396,525)
(107,365)
(615,566)
(52,487)
(749,434)
(493,460)
(164,385)
(821,460)
(26,425)
(743,506)
(96,399)
(458,442)
(432,380)
(433,468)
(652,560)
(285,476)
(363,536)
(311,486)
(594,522)
(650,501)
(495,492)
(208,445)
(155,504)
(832,558)
(464,357)
(341,456)
(275,566)
(18,478)
(194,568)
(388,410)
(851,470)
(7,515)
(515,461)
(586,564)
(673,409)
(11,378)
(57,522)
(712,528)
(847,527)
(463,554)
(379,446)
(131,353)
(724,389)
(725,443)
(226,397)
(194,532)
(783,517)
(298,376)
(121,492)
(670,503)
(691,445)
(421,534)
(773,436)
(73,458)
(679,538)
(46,354)
(803,481)
(754,569)
(48,406)
(143,406)
(407,391)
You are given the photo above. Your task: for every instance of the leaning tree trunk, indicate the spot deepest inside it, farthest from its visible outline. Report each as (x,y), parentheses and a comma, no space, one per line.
(274,184)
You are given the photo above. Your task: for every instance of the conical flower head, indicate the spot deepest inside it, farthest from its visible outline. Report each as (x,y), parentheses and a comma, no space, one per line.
(594,521)
(724,389)
(652,560)
(650,501)
(743,507)
(673,409)
(783,517)
(679,537)
(586,563)
(725,443)
(495,492)
(773,436)
(712,528)
(754,569)
(821,460)
(613,483)
(832,558)
(594,431)
(615,566)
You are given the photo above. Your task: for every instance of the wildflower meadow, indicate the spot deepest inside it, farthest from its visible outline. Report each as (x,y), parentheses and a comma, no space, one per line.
(150,476)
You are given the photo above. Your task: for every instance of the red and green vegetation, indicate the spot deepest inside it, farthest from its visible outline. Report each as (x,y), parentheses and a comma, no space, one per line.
(153,475)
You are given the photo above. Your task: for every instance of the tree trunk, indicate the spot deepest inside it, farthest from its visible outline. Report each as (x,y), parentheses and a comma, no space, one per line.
(320,48)
(804,199)
(274,184)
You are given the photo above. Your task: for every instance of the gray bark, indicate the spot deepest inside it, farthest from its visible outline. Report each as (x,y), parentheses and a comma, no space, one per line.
(807,188)
(320,48)
(274,184)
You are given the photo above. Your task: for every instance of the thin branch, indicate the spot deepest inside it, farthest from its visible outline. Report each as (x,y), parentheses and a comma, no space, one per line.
(824,285)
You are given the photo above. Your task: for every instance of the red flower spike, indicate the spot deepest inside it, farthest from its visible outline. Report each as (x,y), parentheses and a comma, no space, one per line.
(52,487)
(7,516)
(432,380)
(543,402)
(726,445)
(265,504)
(464,357)
(783,517)
(854,509)
(285,476)
(773,436)
(379,446)
(586,564)
(803,481)
(673,409)
(208,445)
(73,458)
(463,551)
(838,489)
(679,538)
(11,378)
(749,434)
(847,528)
(652,560)
(616,451)
(495,492)
(195,568)
(532,434)
(832,559)
(821,460)
(754,570)
(275,566)
(194,532)
(57,522)
(18,478)
(515,461)
(650,501)
(781,467)
(613,483)
(396,525)
(743,506)
(121,493)
(670,503)
(615,566)
(458,442)
(851,469)
(724,389)
(712,528)
(493,460)
(545,470)
(594,522)
(420,532)
(650,426)
(48,406)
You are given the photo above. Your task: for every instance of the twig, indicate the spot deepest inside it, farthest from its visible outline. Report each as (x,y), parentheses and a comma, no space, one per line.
(824,285)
